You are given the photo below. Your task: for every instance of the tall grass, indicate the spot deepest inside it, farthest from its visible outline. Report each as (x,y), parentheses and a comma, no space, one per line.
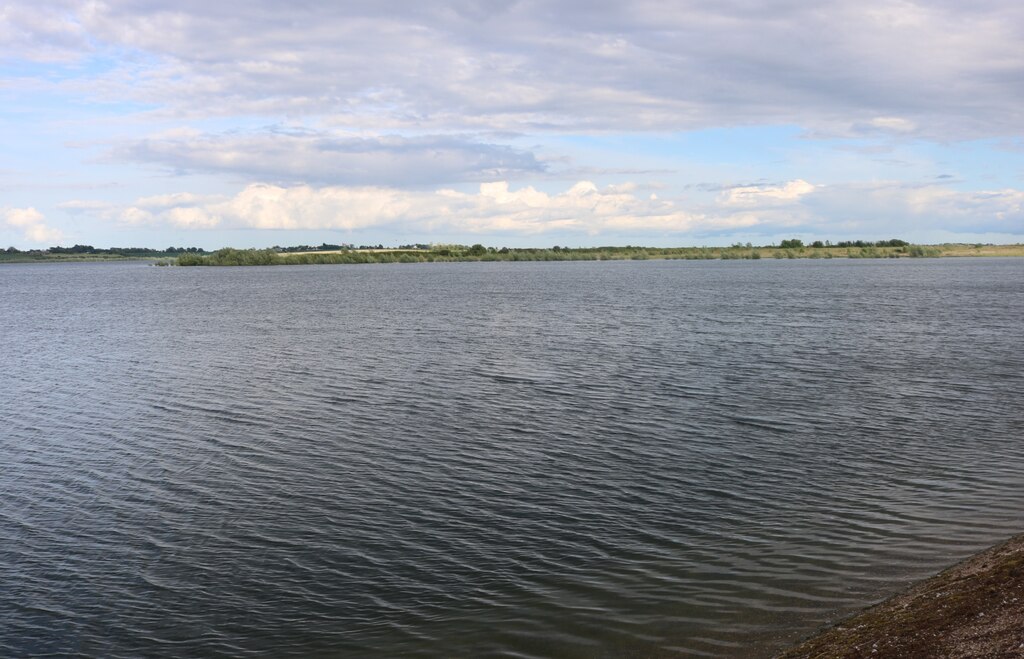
(923,251)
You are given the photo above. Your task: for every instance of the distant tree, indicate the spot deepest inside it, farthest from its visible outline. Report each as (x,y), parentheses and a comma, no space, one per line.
(817,244)
(477,250)
(792,243)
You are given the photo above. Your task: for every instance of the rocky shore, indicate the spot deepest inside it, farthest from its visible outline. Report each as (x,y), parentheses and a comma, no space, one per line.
(974,609)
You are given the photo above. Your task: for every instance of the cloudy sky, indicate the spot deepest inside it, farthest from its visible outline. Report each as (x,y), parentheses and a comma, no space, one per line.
(519,123)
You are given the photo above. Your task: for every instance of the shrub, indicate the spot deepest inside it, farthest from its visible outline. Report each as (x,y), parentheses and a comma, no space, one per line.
(191,259)
(921,251)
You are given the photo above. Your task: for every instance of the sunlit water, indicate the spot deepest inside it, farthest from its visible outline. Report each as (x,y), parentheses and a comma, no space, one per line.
(495,459)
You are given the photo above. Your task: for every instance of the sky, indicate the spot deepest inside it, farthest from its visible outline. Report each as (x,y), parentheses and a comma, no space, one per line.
(559,122)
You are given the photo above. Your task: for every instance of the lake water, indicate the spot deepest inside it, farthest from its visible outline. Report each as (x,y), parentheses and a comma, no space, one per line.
(606,459)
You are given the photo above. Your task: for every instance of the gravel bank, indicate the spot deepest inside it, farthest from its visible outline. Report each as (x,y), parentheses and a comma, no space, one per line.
(973,609)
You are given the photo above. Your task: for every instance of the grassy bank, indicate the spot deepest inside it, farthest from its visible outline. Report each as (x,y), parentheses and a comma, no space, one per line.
(229,256)
(982,250)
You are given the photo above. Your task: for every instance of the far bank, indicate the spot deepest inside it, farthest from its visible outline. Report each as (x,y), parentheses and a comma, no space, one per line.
(229,256)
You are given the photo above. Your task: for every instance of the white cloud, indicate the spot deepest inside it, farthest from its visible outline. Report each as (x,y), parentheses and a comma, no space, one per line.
(898,124)
(766,195)
(875,209)
(32,224)
(23,217)
(83,205)
(40,233)
(191,218)
(173,199)
(495,207)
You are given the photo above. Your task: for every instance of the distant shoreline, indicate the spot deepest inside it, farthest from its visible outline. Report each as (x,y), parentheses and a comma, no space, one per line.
(230,257)
(64,258)
(973,609)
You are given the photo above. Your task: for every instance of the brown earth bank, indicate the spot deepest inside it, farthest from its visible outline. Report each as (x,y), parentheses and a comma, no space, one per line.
(974,609)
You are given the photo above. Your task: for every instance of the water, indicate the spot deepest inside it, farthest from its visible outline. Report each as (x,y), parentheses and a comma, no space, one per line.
(508,459)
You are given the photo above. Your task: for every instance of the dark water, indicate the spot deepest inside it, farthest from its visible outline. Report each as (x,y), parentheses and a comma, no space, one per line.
(529,460)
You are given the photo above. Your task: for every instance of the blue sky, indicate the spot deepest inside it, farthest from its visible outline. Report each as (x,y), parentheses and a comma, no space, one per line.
(152,123)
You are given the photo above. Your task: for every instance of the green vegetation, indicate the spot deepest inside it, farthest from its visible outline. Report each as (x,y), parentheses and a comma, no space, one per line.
(90,253)
(788,249)
(325,253)
(923,251)
(231,256)
(454,253)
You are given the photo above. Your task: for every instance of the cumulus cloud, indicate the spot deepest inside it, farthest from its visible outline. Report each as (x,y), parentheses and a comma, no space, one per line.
(496,208)
(32,225)
(23,217)
(945,70)
(318,157)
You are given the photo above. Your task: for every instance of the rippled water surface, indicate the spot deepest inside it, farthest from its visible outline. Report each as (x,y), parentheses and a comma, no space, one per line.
(495,459)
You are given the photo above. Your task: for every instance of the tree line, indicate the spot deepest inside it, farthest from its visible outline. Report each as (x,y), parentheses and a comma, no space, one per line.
(796,243)
(109,251)
(442,253)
